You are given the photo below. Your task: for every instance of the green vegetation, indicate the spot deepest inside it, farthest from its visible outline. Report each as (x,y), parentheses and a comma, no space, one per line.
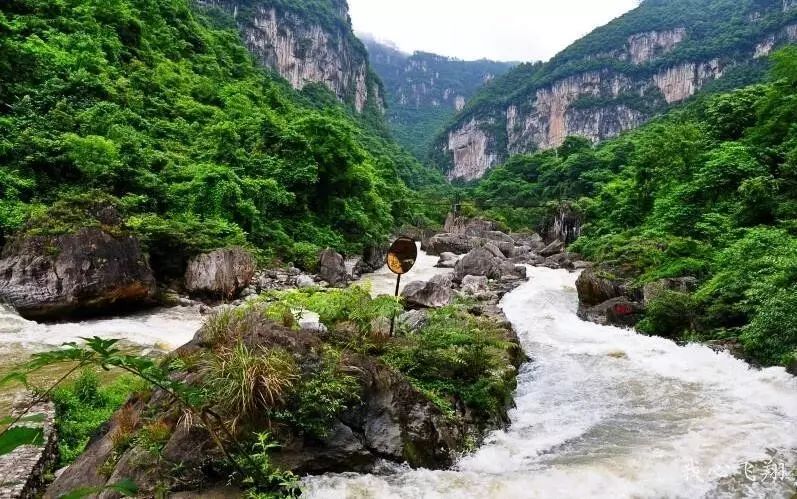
(458,358)
(422,89)
(83,406)
(727,31)
(20,435)
(247,374)
(161,107)
(708,191)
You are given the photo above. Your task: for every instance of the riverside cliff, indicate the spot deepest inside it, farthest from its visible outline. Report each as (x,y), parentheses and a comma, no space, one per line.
(615,79)
(306,45)
(425,90)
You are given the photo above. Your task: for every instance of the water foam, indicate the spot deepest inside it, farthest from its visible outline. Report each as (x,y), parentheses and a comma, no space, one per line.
(605,412)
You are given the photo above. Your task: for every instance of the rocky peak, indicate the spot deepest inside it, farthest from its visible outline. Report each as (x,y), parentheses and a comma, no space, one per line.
(644,47)
(612,80)
(307,49)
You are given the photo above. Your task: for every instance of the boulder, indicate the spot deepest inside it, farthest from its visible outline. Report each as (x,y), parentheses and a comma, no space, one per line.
(475,285)
(581,264)
(492,248)
(479,262)
(618,311)
(220,274)
(511,272)
(652,290)
(304,281)
(458,244)
(595,288)
(455,224)
(332,268)
(563,260)
(432,294)
(447,261)
(373,259)
(553,248)
(504,242)
(86,272)
(413,320)
(533,241)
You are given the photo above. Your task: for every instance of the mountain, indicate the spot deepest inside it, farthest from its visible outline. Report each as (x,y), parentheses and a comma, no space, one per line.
(424,91)
(308,41)
(616,78)
(158,110)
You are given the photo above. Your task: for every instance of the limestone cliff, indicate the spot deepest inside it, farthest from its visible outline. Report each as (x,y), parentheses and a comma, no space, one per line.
(424,90)
(613,80)
(303,48)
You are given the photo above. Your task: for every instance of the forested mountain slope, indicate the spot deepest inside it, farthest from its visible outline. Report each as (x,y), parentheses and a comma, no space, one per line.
(424,91)
(707,193)
(157,107)
(616,78)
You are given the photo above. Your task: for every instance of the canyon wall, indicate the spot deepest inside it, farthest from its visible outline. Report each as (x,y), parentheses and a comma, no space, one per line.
(307,50)
(605,84)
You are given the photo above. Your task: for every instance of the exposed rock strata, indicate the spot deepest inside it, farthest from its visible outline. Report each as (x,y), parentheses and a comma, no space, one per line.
(305,52)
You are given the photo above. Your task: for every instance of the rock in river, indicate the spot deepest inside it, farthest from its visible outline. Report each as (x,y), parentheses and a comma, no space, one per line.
(86,272)
(222,273)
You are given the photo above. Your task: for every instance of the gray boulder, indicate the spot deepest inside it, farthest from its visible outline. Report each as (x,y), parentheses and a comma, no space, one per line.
(511,272)
(458,244)
(595,288)
(222,273)
(618,311)
(89,271)
(304,281)
(553,248)
(432,294)
(475,285)
(332,268)
(492,248)
(479,262)
(413,320)
(447,261)
(468,226)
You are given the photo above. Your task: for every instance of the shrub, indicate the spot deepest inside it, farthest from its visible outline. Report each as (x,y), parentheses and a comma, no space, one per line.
(83,406)
(320,396)
(771,337)
(669,314)
(244,381)
(458,357)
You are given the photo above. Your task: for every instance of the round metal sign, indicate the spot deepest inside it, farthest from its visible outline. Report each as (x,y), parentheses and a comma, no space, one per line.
(402,255)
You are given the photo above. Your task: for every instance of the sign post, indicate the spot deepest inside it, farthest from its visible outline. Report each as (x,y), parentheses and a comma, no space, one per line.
(401,258)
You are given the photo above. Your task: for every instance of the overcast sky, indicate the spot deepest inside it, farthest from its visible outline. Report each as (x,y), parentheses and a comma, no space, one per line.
(508,30)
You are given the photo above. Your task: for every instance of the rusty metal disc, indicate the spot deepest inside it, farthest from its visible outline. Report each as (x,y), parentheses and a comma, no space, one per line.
(402,255)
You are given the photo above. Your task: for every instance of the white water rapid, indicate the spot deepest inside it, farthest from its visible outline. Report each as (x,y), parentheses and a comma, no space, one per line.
(159,330)
(604,412)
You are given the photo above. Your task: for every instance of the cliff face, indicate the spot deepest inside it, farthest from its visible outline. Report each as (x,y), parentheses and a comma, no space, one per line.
(303,50)
(425,90)
(613,80)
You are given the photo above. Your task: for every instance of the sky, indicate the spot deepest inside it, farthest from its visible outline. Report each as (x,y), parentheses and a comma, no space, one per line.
(505,30)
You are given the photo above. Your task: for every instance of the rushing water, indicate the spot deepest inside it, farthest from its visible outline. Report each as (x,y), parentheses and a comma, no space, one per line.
(160,330)
(605,412)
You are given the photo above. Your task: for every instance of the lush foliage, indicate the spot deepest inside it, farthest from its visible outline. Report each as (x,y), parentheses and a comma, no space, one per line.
(162,107)
(709,191)
(84,405)
(721,30)
(422,90)
(457,358)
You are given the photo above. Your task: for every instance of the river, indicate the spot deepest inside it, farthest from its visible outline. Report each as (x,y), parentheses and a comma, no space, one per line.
(159,330)
(601,411)
(605,412)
